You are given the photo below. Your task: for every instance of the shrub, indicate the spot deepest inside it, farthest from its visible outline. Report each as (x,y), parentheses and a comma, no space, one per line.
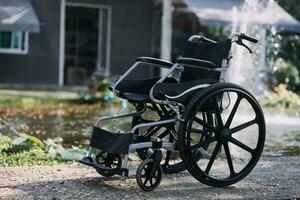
(284,73)
(282,99)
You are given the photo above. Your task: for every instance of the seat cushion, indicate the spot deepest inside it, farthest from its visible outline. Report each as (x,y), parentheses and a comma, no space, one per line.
(181,92)
(138,90)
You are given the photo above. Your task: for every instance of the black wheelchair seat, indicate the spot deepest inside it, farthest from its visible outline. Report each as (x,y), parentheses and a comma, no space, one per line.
(138,90)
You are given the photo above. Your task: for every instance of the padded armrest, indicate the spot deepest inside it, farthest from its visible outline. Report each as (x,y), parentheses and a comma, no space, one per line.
(196,62)
(156,61)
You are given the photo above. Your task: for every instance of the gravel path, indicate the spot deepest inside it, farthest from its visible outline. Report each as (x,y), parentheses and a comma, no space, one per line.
(273,178)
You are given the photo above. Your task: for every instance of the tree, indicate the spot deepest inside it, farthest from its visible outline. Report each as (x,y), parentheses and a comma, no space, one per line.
(290,44)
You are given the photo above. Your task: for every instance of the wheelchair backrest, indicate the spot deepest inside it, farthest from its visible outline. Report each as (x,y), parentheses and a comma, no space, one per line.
(205,49)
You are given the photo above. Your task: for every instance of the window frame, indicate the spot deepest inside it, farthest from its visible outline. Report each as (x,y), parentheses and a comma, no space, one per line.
(18,51)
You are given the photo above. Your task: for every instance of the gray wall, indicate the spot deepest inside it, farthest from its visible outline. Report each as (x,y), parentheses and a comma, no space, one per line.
(40,65)
(131,38)
(131,32)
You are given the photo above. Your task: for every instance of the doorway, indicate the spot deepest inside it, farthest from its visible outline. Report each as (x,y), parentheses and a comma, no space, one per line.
(87,42)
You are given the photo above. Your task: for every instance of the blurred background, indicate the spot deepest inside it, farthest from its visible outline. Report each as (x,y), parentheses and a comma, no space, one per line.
(57,58)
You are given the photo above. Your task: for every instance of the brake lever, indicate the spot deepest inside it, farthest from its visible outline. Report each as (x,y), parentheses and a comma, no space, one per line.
(240,42)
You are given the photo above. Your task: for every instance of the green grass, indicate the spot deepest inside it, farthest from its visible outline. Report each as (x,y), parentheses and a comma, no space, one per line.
(26,150)
(21,101)
(33,157)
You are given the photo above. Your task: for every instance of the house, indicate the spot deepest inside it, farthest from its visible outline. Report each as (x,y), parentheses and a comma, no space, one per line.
(60,42)
(64,42)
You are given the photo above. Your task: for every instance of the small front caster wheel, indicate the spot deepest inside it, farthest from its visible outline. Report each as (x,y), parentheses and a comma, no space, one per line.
(148,176)
(113,161)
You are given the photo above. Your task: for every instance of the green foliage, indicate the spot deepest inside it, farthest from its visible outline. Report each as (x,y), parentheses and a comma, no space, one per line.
(17,101)
(285,72)
(34,156)
(102,84)
(290,44)
(291,6)
(29,150)
(282,99)
(5,143)
(74,153)
(99,91)
(289,51)
(87,97)
(217,33)
(55,149)
(25,102)
(24,143)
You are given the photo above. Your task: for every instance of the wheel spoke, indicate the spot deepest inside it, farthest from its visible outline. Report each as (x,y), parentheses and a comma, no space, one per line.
(206,125)
(151,132)
(241,145)
(233,111)
(213,157)
(229,160)
(163,134)
(167,158)
(194,130)
(242,126)
(146,180)
(218,112)
(205,142)
(151,182)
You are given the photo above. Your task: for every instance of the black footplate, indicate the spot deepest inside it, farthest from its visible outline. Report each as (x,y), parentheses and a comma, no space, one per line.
(111,142)
(89,161)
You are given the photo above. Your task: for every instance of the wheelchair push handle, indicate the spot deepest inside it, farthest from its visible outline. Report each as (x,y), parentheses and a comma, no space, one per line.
(248,38)
(239,37)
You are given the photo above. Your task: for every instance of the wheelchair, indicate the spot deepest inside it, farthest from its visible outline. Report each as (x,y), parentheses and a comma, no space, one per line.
(198,121)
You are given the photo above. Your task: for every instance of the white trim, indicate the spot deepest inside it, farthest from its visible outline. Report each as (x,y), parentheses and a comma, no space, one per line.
(18,51)
(87,5)
(26,45)
(100,39)
(166,33)
(187,91)
(108,36)
(62,43)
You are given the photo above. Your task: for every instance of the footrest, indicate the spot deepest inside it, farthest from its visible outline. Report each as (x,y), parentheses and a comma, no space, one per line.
(89,161)
(106,170)
(115,143)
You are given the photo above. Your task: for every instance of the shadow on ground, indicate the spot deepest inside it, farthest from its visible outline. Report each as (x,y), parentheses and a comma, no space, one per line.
(274,177)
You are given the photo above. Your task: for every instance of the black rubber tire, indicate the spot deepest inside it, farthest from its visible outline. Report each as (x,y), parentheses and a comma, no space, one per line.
(202,98)
(167,169)
(143,170)
(114,159)
(174,168)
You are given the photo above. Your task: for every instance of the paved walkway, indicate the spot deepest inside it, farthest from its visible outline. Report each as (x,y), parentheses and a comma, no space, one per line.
(273,178)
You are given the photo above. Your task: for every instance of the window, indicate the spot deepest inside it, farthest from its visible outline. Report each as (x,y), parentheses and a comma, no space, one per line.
(13,42)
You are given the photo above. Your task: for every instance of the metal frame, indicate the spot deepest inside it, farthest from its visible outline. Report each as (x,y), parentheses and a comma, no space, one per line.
(122,77)
(165,145)
(118,116)
(177,66)
(173,105)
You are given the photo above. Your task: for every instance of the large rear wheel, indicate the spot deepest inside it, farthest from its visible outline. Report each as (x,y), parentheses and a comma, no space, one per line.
(236,138)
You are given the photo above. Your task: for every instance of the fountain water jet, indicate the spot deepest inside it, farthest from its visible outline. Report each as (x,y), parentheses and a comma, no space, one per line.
(249,70)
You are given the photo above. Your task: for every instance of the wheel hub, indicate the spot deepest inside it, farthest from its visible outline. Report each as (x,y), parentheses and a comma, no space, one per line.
(225,135)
